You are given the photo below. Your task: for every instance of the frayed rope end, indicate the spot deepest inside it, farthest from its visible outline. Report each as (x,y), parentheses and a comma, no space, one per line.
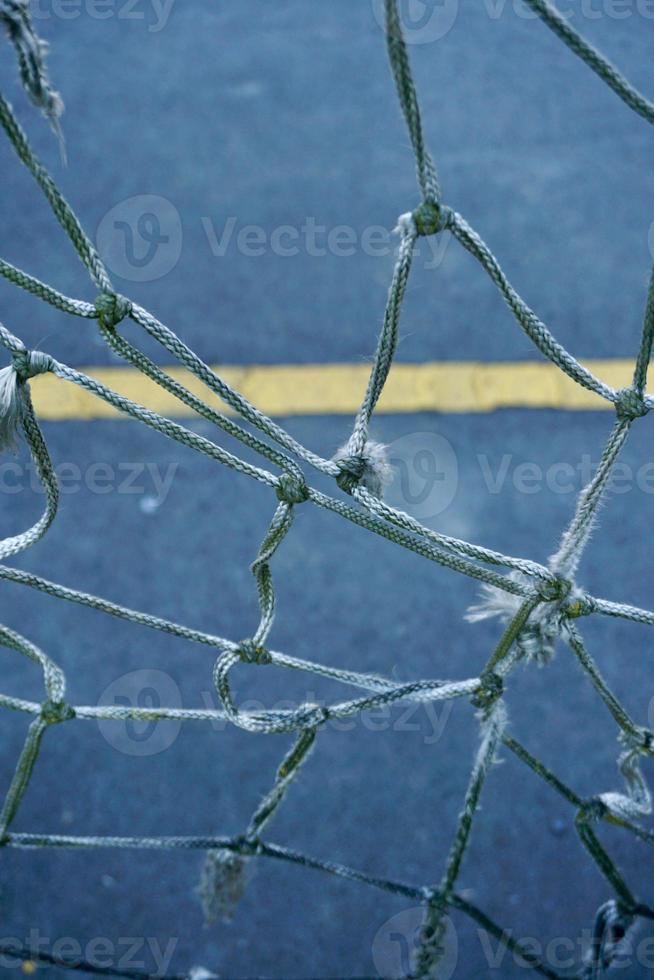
(493,602)
(11,408)
(405,225)
(32,53)
(222,884)
(537,639)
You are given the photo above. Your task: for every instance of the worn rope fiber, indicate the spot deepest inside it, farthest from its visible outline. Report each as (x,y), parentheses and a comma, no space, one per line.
(537,604)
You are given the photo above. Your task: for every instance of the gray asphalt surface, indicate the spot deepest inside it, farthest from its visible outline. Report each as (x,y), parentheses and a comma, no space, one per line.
(273,115)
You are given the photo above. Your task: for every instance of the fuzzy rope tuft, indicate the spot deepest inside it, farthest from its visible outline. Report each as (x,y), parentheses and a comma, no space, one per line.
(369,469)
(31,52)
(222,884)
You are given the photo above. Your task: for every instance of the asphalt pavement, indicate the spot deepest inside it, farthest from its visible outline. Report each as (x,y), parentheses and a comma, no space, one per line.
(245,131)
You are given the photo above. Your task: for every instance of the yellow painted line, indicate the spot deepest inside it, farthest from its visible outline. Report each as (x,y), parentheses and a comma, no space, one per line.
(326,389)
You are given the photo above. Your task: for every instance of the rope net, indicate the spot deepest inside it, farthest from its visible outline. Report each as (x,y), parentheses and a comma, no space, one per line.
(537,605)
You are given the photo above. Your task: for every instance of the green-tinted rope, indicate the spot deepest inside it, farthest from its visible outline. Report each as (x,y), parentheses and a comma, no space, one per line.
(76,307)
(62,210)
(399,59)
(430,947)
(536,600)
(593,58)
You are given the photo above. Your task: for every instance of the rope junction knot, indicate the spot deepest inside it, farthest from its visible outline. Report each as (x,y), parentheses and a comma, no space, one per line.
(431,895)
(369,469)
(537,638)
(111,308)
(641,740)
(592,811)
(351,472)
(27,364)
(253,653)
(247,846)
(552,590)
(490,691)
(538,604)
(630,405)
(53,712)
(13,395)
(292,489)
(430,217)
(582,605)
(613,921)
(311,715)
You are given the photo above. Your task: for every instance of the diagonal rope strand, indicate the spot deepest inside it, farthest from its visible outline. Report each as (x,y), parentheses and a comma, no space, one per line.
(538,603)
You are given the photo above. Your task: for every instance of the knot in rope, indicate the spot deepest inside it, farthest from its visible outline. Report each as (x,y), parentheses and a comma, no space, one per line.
(253,653)
(111,308)
(612,923)
(490,691)
(311,715)
(630,405)
(13,397)
(537,638)
(431,894)
(27,364)
(582,605)
(640,740)
(247,846)
(291,488)
(351,472)
(53,712)
(553,590)
(593,810)
(429,218)
(369,469)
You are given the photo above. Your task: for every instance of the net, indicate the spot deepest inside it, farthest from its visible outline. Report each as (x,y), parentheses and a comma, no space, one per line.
(537,604)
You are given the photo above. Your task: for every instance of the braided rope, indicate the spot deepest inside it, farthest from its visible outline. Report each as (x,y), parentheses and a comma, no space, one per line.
(538,604)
